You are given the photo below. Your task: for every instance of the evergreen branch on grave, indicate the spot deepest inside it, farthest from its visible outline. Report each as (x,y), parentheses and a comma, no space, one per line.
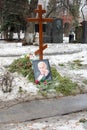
(23,66)
(59,84)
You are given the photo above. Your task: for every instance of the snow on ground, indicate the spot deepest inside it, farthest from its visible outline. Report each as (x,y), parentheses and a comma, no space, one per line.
(66,122)
(57,54)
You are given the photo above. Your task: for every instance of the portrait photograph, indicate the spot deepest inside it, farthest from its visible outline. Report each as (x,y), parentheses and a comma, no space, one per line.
(42,71)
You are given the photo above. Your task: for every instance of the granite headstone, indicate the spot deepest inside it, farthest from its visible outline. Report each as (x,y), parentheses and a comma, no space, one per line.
(84,32)
(54,31)
(78,34)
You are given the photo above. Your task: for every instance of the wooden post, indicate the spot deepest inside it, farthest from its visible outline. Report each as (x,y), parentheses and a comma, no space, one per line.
(40,20)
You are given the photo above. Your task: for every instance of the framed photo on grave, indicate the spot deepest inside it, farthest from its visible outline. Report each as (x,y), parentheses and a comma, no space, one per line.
(42,70)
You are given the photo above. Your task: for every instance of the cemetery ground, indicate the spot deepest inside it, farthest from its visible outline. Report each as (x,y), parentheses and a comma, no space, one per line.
(70,60)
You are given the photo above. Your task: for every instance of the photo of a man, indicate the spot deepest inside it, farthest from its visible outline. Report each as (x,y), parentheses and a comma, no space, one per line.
(42,70)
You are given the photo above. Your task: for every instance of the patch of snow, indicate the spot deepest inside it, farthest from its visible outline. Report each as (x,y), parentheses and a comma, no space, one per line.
(64,53)
(56,53)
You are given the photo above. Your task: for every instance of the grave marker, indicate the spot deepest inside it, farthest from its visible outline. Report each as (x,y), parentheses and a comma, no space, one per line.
(54,31)
(40,20)
(84,32)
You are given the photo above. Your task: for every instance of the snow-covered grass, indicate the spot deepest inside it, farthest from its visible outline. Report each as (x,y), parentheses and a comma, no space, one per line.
(57,54)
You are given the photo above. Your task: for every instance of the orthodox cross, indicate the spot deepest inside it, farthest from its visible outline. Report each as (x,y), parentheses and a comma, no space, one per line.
(40,20)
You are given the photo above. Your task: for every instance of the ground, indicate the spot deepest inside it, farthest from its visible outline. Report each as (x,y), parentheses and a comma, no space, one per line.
(74,121)
(69,59)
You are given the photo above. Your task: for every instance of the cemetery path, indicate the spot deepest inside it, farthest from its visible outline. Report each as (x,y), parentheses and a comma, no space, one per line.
(38,109)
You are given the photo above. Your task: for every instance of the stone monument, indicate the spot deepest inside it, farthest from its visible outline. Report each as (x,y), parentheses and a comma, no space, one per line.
(54,31)
(78,34)
(84,32)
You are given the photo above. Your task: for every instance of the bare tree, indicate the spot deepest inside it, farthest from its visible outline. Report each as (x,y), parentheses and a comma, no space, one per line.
(84,16)
(67,8)
(57,6)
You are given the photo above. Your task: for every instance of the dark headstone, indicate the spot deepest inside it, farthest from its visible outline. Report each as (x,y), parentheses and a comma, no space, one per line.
(57,32)
(84,32)
(78,34)
(48,34)
(81,33)
(54,31)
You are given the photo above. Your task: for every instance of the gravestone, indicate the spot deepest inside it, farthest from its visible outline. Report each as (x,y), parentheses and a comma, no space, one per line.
(84,32)
(81,33)
(57,31)
(48,34)
(78,34)
(54,31)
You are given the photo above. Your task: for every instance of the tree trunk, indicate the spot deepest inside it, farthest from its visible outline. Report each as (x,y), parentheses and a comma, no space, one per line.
(29,34)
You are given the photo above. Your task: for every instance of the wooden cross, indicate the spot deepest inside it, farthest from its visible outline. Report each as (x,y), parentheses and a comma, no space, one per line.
(40,20)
